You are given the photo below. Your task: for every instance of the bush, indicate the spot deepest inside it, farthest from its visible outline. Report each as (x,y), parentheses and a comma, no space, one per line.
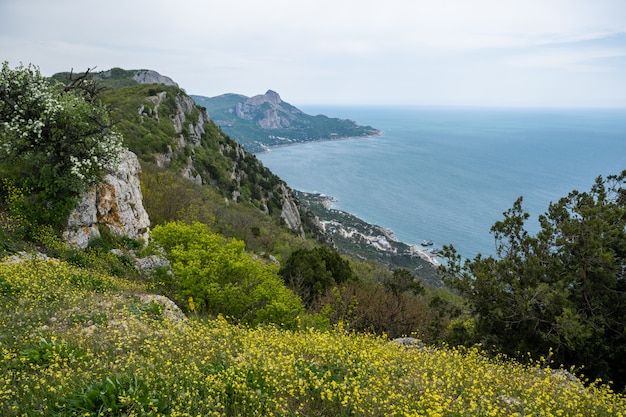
(55,141)
(221,278)
(375,309)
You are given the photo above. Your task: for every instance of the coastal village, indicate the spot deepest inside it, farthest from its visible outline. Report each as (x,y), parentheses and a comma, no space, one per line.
(343,227)
(385,241)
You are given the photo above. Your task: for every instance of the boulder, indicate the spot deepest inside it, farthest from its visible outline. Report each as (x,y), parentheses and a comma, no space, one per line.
(170,309)
(115,203)
(150,263)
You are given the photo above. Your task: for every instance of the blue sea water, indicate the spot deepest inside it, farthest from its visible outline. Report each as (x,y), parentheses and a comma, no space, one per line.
(448,174)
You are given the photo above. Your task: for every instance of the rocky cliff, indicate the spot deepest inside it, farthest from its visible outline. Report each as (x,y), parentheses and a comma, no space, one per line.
(290,212)
(116,203)
(142,76)
(267,111)
(189,125)
(152,77)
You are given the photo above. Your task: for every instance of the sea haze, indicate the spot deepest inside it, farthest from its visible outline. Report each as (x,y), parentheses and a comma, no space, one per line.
(448,174)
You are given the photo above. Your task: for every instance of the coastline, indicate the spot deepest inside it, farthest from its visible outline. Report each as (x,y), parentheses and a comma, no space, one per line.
(328,202)
(364,240)
(268,148)
(447,175)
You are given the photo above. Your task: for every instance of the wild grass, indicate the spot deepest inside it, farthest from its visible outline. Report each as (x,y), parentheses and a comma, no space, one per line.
(74,342)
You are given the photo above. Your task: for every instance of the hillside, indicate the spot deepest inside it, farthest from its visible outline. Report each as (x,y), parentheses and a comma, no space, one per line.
(238,302)
(169,132)
(192,171)
(84,343)
(356,238)
(266,120)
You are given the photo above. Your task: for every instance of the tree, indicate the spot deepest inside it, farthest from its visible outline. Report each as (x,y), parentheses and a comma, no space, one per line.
(402,280)
(562,291)
(310,272)
(55,141)
(374,308)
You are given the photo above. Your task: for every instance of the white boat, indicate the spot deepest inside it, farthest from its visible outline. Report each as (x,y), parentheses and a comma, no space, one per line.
(427,243)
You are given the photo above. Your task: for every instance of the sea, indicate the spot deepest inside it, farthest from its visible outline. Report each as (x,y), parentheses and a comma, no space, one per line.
(447,174)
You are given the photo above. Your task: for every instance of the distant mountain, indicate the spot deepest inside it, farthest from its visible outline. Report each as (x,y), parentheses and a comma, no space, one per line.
(266,120)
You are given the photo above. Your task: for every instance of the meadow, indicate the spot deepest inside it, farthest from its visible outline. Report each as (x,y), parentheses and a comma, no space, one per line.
(78,342)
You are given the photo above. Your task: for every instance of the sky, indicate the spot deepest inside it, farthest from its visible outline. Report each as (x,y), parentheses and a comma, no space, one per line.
(503,53)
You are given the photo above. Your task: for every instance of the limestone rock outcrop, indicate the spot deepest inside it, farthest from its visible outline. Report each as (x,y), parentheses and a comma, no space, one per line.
(184,106)
(142,76)
(170,309)
(290,212)
(266,110)
(115,203)
(152,77)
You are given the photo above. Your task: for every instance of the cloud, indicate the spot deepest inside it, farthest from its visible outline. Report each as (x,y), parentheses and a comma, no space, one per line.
(335,50)
(570,59)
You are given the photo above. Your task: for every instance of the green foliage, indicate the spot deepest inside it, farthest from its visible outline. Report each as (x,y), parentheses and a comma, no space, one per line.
(150,131)
(119,395)
(402,280)
(42,353)
(167,196)
(109,240)
(170,197)
(222,278)
(54,142)
(562,291)
(310,272)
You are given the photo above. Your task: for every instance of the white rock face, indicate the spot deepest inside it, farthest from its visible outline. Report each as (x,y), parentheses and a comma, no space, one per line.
(116,203)
(152,77)
(273,117)
(290,212)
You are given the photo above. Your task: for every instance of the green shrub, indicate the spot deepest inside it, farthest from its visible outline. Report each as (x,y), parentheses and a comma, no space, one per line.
(222,278)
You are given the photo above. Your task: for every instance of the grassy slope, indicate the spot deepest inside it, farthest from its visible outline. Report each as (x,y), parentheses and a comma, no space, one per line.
(78,342)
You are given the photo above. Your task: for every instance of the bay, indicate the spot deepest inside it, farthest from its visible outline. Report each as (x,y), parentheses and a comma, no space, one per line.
(447,174)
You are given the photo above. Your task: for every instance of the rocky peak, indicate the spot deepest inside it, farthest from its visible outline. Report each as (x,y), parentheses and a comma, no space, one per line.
(270,96)
(152,77)
(194,132)
(274,116)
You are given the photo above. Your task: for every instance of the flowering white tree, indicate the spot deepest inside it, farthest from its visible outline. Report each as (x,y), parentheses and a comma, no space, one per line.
(55,140)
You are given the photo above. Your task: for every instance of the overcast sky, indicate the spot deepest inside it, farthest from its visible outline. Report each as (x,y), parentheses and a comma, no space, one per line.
(427,52)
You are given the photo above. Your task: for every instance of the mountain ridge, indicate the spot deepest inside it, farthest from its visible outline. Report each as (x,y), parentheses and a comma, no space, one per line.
(266,120)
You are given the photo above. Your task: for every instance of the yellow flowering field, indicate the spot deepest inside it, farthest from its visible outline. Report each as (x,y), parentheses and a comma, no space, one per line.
(77,343)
